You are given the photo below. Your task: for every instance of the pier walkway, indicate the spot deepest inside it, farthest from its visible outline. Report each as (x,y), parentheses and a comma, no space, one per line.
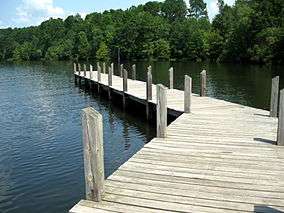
(221,157)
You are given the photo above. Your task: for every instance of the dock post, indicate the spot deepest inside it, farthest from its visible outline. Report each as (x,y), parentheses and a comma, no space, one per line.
(104,67)
(85,75)
(171,77)
(274,97)
(134,71)
(112,68)
(187,93)
(99,78)
(280,132)
(148,92)
(109,81)
(91,72)
(98,65)
(91,77)
(79,72)
(74,67)
(125,87)
(121,70)
(85,70)
(161,111)
(79,69)
(93,154)
(75,73)
(203,83)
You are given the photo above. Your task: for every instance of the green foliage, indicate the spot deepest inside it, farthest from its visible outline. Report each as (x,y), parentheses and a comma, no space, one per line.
(82,45)
(26,52)
(102,53)
(249,31)
(197,9)
(174,9)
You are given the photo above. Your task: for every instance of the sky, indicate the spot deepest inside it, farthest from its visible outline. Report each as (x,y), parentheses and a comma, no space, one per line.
(21,13)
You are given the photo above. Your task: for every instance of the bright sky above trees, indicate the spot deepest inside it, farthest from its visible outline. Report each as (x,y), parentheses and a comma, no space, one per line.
(19,13)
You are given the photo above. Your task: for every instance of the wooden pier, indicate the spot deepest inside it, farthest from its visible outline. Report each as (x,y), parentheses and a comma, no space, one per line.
(216,156)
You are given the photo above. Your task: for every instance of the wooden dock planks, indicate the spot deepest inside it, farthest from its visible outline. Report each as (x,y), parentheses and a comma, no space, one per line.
(221,157)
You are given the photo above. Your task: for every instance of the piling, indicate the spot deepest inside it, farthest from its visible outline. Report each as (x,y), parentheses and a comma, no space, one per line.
(187,93)
(203,83)
(93,154)
(171,77)
(274,97)
(161,111)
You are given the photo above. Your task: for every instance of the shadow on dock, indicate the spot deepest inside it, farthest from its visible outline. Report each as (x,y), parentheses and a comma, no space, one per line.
(265,141)
(265,209)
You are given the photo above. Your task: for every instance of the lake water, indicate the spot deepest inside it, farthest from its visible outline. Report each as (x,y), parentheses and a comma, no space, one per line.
(41,161)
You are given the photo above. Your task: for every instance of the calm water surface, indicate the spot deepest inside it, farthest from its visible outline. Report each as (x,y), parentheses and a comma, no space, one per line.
(41,162)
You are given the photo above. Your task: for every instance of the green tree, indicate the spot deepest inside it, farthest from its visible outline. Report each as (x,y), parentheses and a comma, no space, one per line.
(83,46)
(162,49)
(23,52)
(174,9)
(153,7)
(197,9)
(103,52)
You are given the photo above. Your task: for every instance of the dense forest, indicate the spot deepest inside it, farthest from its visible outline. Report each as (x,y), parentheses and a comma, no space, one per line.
(249,31)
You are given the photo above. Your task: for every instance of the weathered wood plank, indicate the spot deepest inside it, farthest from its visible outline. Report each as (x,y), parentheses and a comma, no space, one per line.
(125,78)
(85,70)
(274,97)
(280,134)
(134,71)
(187,93)
(121,70)
(203,83)
(161,111)
(171,78)
(149,84)
(93,153)
(104,67)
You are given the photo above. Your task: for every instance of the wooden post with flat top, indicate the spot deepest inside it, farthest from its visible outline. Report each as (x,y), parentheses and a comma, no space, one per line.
(98,65)
(121,70)
(75,73)
(79,73)
(274,97)
(203,83)
(134,71)
(125,87)
(93,154)
(99,78)
(280,132)
(91,77)
(161,111)
(91,72)
(85,70)
(109,81)
(109,76)
(148,92)
(74,68)
(187,93)
(149,83)
(104,67)
(171,77)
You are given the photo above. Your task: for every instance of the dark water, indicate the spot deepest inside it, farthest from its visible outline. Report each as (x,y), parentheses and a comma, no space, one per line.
(41,163)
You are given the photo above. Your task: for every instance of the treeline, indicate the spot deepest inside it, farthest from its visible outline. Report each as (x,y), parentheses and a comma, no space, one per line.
(249,31)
